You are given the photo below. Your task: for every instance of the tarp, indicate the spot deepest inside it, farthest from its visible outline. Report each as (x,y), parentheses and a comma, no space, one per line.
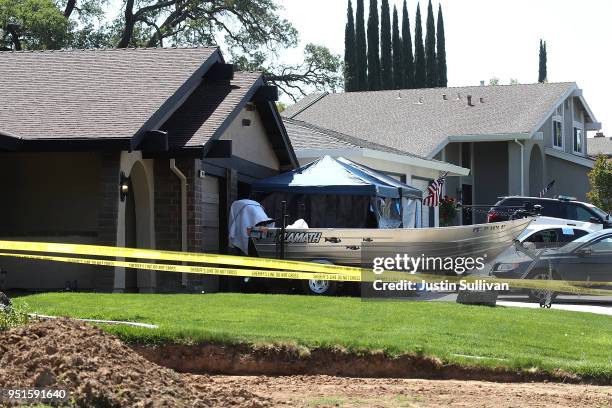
(338,176)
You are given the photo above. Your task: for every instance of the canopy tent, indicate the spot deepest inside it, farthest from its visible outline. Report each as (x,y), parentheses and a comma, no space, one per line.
(336,192)
(340,176)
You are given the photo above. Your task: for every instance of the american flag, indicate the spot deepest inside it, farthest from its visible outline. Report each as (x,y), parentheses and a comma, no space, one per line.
(434,190)
(545,189)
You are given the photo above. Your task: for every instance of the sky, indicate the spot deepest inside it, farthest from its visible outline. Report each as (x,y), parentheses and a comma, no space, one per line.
(491,38)
(495,38)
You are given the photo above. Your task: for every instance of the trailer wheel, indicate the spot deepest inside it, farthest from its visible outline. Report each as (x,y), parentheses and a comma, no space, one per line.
(320,287)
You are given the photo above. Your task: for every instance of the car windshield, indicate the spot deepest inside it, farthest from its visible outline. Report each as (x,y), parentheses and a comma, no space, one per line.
(592,235)
(598,211)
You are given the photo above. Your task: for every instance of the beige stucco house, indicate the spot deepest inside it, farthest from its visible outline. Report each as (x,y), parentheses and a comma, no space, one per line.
(178,127)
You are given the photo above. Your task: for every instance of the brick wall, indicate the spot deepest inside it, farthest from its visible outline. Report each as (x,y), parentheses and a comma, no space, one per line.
(167,219)
(107,216)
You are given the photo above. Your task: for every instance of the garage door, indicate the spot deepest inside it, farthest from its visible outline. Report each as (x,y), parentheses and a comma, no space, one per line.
(210,214)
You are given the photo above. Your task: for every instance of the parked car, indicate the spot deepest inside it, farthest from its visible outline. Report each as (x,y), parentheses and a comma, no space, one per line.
(587,258)
(563,207)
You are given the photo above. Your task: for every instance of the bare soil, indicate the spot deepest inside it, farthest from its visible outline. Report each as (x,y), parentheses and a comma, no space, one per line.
(326,391)
(277,360)
(100,371)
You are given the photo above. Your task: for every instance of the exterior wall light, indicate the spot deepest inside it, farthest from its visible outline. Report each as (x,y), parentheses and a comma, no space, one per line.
(124,186)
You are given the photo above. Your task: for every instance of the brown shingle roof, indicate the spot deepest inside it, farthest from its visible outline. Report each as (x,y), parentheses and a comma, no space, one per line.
(208,108)
(91,93)
(419,120)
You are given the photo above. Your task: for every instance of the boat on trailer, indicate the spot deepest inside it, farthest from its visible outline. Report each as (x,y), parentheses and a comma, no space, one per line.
(346,246)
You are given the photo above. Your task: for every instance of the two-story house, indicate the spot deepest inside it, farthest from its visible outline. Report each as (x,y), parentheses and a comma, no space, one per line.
(515,139)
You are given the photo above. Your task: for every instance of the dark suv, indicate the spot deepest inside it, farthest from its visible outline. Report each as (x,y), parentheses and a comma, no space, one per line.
(566,208)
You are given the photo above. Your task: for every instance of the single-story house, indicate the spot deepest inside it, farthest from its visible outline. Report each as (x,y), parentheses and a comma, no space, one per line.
(600,144)
(311,142)
(132,147)
(514,139)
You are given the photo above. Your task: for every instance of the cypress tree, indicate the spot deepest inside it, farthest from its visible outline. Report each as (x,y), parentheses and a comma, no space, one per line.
(420,79)
(441,48)
(361,61)
(430,50)
(542,69)
(350,72)
(398,69)
(407,56)
(373,48)
(385,46)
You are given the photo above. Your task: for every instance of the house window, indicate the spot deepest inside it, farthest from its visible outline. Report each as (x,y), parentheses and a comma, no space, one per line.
(578,140)
(557,134)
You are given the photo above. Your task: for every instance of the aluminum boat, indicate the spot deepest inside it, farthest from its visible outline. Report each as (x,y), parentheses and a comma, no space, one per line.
(348,246)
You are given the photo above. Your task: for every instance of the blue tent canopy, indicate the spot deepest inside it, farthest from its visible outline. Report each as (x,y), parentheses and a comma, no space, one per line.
(329,175)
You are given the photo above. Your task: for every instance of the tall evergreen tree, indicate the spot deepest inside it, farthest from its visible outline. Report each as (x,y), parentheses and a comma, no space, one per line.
(350,67)
(373,48)
(385,46)
(431,67)
(407,56)
(542,69)
(441,50)
(361,60)
(420,78)
(398,69)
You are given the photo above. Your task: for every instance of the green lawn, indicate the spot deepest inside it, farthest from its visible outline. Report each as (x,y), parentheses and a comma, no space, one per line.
(520,338)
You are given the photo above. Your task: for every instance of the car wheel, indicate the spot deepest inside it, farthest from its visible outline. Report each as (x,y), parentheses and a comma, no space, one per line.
(540,295)
(319,287)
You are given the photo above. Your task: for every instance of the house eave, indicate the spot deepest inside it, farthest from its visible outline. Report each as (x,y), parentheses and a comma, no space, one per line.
(492,137)
(581,160)
(407,160)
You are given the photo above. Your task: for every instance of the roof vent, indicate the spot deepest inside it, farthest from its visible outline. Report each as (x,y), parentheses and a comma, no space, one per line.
(399,95)
(481,83)
(444,97)
(599,134)
(481,99)
(420,101)
(458,96)
(469,100)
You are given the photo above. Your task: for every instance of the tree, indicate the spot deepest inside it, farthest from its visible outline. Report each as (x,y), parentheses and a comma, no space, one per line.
(373,50)
(431,67)
(398,69)
(542,75)
(494,81)
(32,25)
(420,78)
(386,62)
(407,56)
(441,50)
(350,67)
(600,179)
(361,58)
(252,31)
(319,71)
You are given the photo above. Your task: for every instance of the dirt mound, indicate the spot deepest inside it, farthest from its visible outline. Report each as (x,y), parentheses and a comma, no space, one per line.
(99,370)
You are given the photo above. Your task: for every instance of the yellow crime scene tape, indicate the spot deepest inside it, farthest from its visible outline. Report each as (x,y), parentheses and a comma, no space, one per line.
(157,255)
(278,269)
